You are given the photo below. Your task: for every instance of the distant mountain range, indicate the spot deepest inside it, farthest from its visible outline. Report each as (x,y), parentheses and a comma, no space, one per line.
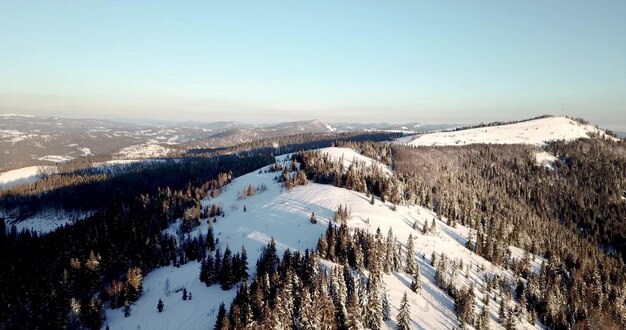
(37,140)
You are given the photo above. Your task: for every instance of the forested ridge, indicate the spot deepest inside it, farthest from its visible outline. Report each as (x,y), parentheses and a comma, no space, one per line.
(571,213)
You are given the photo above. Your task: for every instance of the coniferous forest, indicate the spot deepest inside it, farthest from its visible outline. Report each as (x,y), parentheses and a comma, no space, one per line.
(572,214)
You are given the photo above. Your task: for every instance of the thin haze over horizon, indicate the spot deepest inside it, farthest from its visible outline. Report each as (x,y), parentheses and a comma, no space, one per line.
(339,61)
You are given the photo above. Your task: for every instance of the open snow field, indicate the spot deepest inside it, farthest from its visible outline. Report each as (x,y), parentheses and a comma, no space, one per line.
(284,215)
(24,175)
(533,132)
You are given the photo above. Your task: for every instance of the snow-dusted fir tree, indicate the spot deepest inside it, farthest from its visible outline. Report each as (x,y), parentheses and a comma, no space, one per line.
(416,285)
(353,320)
(410,256)
(386,306)
(338,292)
(404,316)
(389,251)
(374,312)
(306,313)
(323,306)
(482,323)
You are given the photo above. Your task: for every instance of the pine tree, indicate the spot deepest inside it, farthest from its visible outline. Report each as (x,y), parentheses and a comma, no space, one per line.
(410,256)
(338,293)
(483,320)
(210,238)
(416,284)
(222,321)
(306,311)
(160,306)
(389,248)
(226,277)
(374,313)
(217,266)
(510,321)
(354,313)
(404,316)
(184,294)
(243,268)
(386,307)
(502,311)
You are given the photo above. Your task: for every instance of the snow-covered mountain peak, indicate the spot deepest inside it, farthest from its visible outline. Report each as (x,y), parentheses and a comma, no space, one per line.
(533,132)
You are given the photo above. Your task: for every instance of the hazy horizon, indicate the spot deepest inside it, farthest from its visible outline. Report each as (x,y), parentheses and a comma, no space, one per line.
(349,61)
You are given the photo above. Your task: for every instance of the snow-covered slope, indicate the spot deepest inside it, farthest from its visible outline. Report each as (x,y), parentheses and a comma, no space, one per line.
(534,132)
(285,215)
(24,175)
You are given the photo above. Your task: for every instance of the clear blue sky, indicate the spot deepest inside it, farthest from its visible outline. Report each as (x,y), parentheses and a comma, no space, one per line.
(261,61)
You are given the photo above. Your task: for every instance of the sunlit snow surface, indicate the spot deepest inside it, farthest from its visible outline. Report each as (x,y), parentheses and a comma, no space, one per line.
(23,175)
(533,132)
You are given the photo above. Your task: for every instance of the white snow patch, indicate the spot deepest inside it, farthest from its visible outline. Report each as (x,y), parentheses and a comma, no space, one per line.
(545,158)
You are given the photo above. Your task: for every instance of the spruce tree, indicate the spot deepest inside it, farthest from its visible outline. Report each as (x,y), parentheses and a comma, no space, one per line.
(386,307)
(210,238)
(483,319)
(389,248)
(160,306)
(243,268)
(374,313)
(416,284)
(226,277)
(222,321)
(354,313)
(502,311)
(410,256)
(404,316)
